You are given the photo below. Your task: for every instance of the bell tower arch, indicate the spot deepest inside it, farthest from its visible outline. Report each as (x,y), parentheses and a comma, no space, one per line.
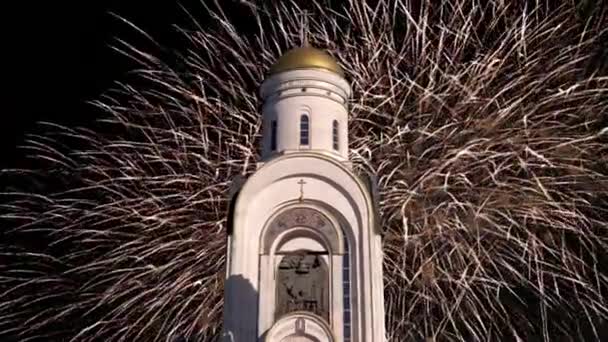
(301,257)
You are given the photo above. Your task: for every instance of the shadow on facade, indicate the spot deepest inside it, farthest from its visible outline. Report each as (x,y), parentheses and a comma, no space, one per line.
(240,323)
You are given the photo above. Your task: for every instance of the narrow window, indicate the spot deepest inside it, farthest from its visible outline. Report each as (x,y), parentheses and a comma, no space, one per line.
(346,289)
(273,135)
(304,130)
(335,134)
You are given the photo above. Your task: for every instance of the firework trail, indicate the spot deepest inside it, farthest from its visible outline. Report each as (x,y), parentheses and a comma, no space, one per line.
(482,120)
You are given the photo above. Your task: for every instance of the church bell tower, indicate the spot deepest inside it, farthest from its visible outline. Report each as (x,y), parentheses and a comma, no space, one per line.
(304,250)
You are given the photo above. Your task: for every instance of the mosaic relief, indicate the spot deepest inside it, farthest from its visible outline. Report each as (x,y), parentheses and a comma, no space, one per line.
(300,217)
(302,285)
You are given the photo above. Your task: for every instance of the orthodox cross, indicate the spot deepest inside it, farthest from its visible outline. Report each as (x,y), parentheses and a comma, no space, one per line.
(301,182)
(304,28)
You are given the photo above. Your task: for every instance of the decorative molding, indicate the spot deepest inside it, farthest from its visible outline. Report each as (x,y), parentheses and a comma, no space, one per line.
(301,217)
(300,324)
(323,156)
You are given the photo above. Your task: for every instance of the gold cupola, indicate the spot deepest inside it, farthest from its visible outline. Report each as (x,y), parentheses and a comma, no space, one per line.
(306,57)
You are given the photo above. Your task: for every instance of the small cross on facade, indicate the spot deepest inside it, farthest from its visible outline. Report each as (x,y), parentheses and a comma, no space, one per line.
(301,182)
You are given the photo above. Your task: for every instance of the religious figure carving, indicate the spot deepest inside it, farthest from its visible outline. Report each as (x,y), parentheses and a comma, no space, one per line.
(302,285)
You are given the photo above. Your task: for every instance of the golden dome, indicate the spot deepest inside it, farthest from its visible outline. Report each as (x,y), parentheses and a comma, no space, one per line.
(306,58)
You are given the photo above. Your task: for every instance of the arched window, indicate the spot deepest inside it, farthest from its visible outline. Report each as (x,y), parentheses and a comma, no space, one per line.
(273,135)
(335,135)
(304,130)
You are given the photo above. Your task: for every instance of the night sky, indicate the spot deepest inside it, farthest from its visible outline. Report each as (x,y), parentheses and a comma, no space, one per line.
(60,56)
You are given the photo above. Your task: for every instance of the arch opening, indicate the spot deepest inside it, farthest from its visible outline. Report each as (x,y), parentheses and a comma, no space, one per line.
(301,222)
(307,271)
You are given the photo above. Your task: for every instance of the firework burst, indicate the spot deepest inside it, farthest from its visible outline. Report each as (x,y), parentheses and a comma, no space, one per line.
(482,120)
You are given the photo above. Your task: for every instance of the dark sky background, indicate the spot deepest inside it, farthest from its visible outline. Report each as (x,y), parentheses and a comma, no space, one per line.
(60,56)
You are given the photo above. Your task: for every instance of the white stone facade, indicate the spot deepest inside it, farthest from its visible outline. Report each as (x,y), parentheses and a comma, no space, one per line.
(304,198)
(320,95)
